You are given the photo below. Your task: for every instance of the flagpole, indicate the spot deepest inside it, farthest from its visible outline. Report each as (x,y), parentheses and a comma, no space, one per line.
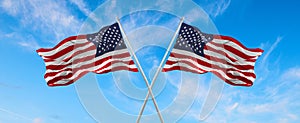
(159,69)
(141,70)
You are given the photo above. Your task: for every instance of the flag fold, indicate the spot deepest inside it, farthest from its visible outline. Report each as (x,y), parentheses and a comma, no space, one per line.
(224,56)
(75,56)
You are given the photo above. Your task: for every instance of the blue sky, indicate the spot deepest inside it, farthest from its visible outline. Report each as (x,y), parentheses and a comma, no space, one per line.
(28,25)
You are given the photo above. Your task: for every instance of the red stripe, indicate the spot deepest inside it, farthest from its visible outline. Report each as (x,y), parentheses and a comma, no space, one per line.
(225,70)
(237,42)
(242,67)
(62,42)
(66,77)
(243,79)
(66,50)
(119,68)
(87,66)
(226,55)
(179,61)
(233,50)
(91,48)
(52,84)
(181,68)
(221,52)
(248,82)
(59,67)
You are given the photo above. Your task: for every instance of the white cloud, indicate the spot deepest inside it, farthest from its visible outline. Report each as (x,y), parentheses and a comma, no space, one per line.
(271,49)
(217,7)
(14,114)
(47,18)
(293,73)
(85,10)
(10,6)
(82,6)
(231,108)
(30,45)
(196,14)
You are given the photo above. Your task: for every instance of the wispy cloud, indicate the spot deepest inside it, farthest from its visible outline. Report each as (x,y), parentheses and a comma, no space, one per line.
(30,45)
(10,6)
(47,20)
(15,114)
(292,73)
(83,7)
(271,49)
(216,7)
(9,85)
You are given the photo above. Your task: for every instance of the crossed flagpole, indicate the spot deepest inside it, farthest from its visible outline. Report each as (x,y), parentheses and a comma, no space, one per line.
(149,87)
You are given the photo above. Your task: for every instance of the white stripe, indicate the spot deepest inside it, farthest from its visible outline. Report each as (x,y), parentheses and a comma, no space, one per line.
(236,81)
(221,56)
(187,53)
(133,66)
(80,71)
(70,53)
(167,66)
(233,55)
(174,59)
(89,53)
(234,45)
(237,73)
(74,66)
(60,61)
(63,46)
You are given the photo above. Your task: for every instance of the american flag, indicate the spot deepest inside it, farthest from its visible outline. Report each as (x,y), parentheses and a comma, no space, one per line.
(198,52)
(75,56)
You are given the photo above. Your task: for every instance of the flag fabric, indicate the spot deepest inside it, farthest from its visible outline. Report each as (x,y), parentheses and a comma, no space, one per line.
(224,56)
(75,56)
